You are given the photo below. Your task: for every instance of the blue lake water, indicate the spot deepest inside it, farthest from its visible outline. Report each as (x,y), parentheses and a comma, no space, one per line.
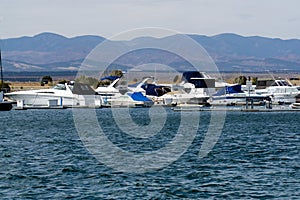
(256,156)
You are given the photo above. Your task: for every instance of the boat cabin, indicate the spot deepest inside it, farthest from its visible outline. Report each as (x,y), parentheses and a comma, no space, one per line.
(264,83)
(199,79)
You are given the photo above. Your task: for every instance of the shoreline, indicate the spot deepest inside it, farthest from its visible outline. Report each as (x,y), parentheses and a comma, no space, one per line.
(32,85)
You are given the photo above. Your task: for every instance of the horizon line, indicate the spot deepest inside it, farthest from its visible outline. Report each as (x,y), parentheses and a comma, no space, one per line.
(188,34)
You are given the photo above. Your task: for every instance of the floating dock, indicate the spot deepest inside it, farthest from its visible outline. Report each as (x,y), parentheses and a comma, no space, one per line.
(233,109)
(39,107)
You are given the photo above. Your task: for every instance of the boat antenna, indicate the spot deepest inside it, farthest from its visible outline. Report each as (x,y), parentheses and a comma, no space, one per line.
(1,73)
(271,75)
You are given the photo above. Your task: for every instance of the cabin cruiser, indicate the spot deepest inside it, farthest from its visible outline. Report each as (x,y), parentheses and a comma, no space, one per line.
(110,89)
(280,91)
(115,87)
(194,89)
(234,95)
(64,94)
(117,95)
(129,99)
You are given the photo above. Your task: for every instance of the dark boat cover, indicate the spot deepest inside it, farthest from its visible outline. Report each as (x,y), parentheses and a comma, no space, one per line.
(138,96)
(110,78)
(156,90)
(229,90)
(5,106)
(198,79)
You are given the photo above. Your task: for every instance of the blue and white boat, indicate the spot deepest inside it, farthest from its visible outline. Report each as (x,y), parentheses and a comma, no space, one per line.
(234,95)
(281,91)
(116,95)
(193,90)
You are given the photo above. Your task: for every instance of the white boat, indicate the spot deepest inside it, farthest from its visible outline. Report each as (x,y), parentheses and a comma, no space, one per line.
(129,99)
(116,95)
(62,93)
(281,91)
(110,89)
(234,95)
(194,90)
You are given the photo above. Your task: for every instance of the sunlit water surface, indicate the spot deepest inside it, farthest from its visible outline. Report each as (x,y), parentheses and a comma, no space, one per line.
(257,156)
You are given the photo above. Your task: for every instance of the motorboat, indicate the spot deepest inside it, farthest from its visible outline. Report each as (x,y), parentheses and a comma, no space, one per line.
(111,89)
(280,91)
(194,89)
(61,93)
(234,95)
(129,99)
(118,95)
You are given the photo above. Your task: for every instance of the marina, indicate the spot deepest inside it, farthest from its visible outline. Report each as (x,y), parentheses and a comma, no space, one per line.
(236,109)
(150,100)
(196,91)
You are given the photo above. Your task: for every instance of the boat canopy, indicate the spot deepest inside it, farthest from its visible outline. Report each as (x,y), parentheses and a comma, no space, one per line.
(134,85)
(156,90)
(138,96)
(229,90)
(110,78)
(198,79)
(82,89)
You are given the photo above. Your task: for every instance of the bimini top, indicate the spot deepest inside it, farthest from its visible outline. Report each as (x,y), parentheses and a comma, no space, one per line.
(138,96)
(156,90)
(110,78)
(199,79)
(229,90)
(187,76)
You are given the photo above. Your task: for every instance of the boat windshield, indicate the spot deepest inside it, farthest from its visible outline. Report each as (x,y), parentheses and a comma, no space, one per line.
(60,87)
(280,83)
(285,83)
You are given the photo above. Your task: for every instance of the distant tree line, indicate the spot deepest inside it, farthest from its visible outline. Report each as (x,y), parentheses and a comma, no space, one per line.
(46,80)
(243,79)
(6,87)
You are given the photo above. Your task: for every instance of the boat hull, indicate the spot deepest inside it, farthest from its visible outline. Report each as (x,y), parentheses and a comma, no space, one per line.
(295,106)
(5,106)
(226,100)
(123,101)
(43,99)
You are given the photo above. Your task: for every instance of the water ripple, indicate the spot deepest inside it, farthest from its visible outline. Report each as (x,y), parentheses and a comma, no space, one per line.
(257,156)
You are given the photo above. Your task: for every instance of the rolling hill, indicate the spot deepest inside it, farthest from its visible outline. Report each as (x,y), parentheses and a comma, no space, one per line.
(231,52)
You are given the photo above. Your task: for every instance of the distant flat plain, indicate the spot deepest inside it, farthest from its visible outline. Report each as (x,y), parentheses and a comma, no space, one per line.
(163,78)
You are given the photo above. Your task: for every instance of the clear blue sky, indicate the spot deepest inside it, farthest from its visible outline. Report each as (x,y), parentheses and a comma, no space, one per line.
(270,18)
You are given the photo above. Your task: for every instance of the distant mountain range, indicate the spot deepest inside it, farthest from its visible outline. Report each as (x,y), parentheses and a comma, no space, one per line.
(231,52)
